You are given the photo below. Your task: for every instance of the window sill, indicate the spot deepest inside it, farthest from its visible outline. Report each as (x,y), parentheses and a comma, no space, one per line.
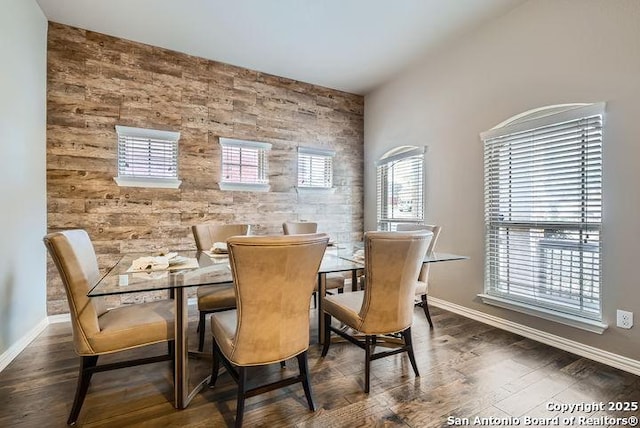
(566,319)
(315,189)
(166,183)
(247,187)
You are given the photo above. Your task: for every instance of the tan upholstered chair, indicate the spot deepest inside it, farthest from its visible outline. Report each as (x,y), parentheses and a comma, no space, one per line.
(422,288)
(296,228)
(214,298)
(274,277)
(97,330)
(392,263)
(334,281)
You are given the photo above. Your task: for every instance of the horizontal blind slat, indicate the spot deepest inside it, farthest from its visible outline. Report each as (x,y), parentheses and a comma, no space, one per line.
(150,157)
(245,164)
(543,204)
(399,190)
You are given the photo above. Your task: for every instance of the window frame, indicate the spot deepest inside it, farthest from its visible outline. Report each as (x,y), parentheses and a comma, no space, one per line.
(133,135)
(257,149)
(317,159)
(515,229)
(385,216)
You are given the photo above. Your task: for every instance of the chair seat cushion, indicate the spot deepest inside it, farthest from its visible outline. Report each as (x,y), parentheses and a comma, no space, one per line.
(422,288)
(345,307)
(131,326)
(216,297)
(223,328)
(262,351)
(334,280)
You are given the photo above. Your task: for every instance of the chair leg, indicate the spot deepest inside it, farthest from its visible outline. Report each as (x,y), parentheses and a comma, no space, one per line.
(84,378)
(304,373)
(406,335)
(171,348)
(215,365)
(283,364)
(425,308)
(327,334)
(367,362)
(201,329)
(242,387)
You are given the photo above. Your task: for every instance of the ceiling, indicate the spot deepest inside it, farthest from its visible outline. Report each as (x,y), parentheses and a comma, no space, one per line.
(350,45)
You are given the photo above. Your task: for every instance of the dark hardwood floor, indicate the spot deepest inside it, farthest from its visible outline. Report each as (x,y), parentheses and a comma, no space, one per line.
(467,369)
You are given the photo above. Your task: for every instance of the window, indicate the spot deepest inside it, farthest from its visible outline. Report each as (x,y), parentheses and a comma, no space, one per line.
(543,214)
(244,165)
(315,168)
(147,157)
(400,187)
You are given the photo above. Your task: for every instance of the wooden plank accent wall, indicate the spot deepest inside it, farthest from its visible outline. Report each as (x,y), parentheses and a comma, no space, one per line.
(96,82)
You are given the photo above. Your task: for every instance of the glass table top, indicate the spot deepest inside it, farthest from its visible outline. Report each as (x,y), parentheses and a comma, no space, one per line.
(354,252)
(210,270)
(120,279)
(207,269)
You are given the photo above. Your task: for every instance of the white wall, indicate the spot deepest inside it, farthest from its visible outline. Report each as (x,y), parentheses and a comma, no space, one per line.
(23,49)
(542,53)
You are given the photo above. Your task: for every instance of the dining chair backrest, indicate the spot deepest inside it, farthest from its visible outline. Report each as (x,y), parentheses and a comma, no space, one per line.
(74,256)
(403,227)
(406,227)
(274,278)
(296,228)
(206,235)
(392,264)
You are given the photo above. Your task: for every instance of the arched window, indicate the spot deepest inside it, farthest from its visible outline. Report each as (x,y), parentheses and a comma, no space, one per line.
(543,213)
(400,189)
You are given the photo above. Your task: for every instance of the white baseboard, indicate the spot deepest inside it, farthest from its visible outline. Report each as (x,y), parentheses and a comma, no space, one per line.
(11,353)
(604,357)
(15,349)
(55,319)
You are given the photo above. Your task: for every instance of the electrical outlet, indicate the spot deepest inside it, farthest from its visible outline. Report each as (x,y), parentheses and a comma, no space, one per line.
(624,319)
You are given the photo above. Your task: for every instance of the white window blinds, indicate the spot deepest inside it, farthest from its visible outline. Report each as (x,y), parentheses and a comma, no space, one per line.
(147,157)
(399,188)
(244,165)
(315,168)
(543,212)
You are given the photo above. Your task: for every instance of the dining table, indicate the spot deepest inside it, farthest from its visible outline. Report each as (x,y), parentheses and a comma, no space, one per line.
(193,269)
